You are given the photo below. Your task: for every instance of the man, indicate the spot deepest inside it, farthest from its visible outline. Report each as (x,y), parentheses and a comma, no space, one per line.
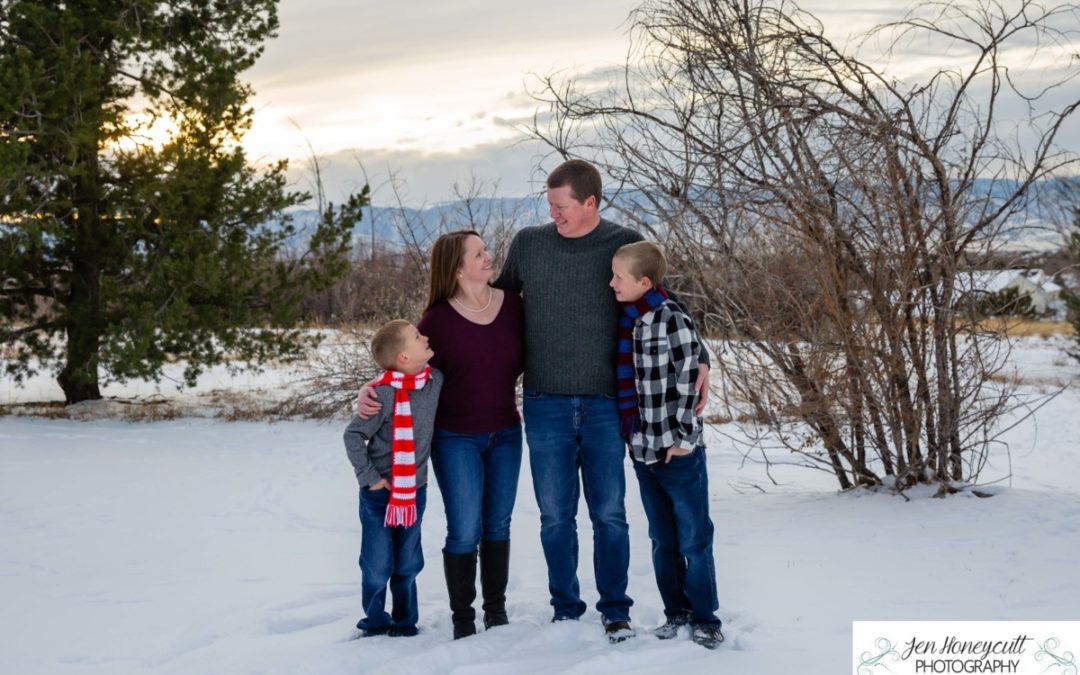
(570,408)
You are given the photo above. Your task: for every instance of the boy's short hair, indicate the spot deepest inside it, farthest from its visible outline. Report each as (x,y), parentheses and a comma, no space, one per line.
(388,343)
(582,177)
(644,259)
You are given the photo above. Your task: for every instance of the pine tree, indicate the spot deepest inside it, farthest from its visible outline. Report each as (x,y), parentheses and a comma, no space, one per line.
(117,254)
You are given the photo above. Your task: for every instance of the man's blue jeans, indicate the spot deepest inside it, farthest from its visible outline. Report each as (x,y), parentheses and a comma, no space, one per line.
(478,478)
(676,500)
(568,435)
(389,555)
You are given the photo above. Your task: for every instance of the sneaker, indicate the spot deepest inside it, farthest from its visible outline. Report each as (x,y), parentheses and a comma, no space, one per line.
(707,635)
(403,631)
(617,631)
(671,628)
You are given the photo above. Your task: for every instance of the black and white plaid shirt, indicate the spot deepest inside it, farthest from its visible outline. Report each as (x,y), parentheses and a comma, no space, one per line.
(666,355)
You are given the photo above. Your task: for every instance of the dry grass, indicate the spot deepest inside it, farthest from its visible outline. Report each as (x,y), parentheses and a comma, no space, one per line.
(1043,383)
(255,405)
(1018,327)
(150,411)
(741,418)
(45,409)
(117,409)
(718,419)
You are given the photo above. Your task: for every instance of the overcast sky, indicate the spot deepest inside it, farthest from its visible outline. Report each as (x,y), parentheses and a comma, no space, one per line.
(428,89)
(431,90)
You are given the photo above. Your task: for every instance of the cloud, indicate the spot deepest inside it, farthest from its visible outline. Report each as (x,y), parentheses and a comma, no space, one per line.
(434,91)
(509,170)
(416,77)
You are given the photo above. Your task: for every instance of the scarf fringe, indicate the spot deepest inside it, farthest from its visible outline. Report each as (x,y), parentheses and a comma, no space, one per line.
(405,516)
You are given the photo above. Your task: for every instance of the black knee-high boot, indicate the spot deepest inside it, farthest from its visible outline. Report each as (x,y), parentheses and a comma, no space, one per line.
(494,571)
(460,571)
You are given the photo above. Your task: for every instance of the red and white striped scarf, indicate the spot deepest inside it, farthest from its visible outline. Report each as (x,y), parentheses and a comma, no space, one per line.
(402,507)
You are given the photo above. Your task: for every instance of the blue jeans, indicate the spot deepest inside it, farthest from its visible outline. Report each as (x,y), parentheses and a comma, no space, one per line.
(389,555)
(568,435)
(478,478)
(676,501)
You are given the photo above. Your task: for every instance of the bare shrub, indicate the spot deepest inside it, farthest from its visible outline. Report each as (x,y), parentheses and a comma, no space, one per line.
(475,205)
(822,211)
(372,291)
(390,281)
(326,383)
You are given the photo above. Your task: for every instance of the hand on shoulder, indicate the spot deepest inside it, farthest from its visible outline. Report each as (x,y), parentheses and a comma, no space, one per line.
(367,401)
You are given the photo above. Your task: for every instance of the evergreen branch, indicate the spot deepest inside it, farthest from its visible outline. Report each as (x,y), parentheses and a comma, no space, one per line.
(13,335)
(40,291)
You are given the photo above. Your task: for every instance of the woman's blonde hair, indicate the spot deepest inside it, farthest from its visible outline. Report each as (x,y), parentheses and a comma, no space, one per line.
(447,255)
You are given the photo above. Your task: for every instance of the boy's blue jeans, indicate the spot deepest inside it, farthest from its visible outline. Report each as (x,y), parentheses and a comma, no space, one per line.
(389,555)
(478,478)
(568,435)
(676,500)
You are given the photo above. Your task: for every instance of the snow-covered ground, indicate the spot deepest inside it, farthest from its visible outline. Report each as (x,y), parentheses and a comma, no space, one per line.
(200,546)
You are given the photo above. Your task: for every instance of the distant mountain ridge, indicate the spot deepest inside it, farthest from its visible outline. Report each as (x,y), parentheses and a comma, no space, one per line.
(1030,229)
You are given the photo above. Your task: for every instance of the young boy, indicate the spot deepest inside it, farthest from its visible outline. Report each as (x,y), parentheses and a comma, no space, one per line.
(659,352)
(389,452)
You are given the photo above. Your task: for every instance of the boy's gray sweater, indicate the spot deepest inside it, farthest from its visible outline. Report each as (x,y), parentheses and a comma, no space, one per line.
(368,442)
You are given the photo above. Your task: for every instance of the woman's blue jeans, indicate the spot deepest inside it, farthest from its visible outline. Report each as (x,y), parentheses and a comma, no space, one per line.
(478,478)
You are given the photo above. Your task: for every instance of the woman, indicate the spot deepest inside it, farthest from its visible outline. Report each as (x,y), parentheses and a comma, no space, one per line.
(476,333)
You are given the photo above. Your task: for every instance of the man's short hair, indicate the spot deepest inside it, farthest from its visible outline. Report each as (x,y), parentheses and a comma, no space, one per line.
(582,177)
(644,259)
(388,343)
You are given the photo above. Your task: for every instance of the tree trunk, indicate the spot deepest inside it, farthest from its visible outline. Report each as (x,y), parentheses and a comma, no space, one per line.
(91,245)
(79,378)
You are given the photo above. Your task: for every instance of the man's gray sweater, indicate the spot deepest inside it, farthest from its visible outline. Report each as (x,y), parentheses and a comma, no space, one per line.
(369,442)
(571,315)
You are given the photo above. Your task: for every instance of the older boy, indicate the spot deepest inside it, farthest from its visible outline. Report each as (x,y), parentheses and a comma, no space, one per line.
(389,452)
(659,353)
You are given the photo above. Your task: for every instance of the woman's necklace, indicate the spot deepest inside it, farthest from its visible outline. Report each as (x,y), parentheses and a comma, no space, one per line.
(460,304)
